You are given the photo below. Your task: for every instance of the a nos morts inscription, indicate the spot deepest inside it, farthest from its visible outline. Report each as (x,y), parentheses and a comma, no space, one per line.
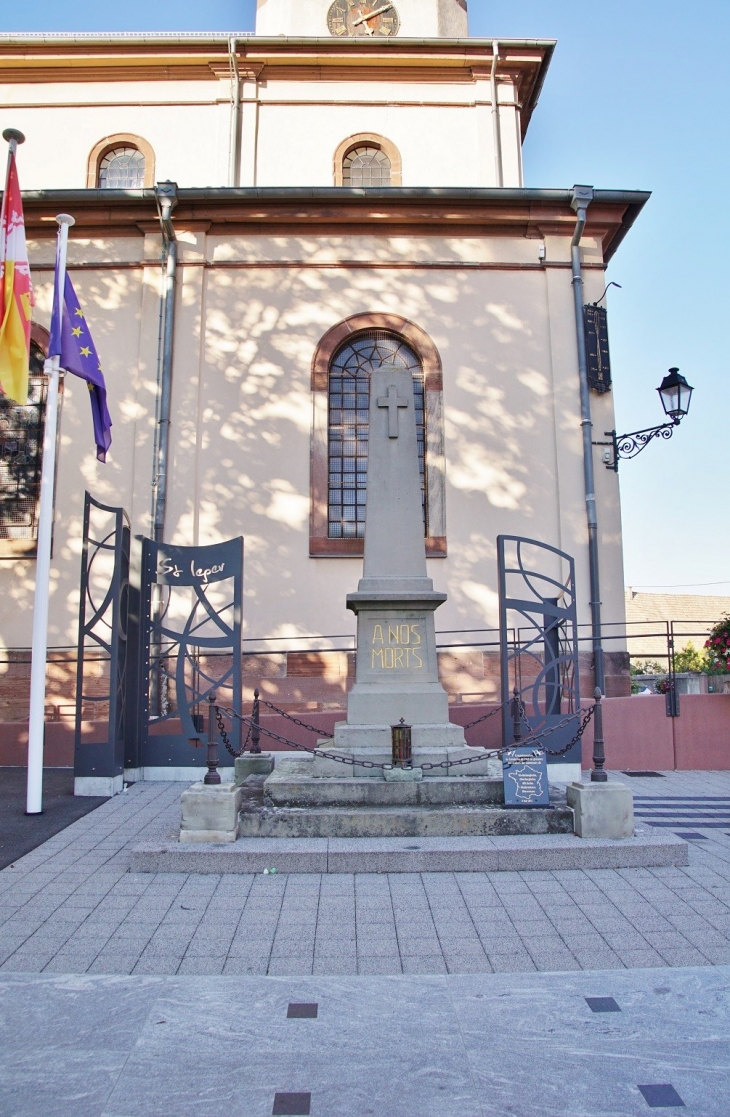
(525,777)
(397,646)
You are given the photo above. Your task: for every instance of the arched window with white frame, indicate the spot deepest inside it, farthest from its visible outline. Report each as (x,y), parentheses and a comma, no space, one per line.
(367,160)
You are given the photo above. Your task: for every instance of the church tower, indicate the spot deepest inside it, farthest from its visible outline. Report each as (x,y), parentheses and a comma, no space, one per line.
(410,19)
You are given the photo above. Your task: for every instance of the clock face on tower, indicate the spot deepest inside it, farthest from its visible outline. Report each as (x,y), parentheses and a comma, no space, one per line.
(363,17)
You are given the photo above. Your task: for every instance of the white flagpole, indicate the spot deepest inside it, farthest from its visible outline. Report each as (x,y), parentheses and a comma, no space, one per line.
(36,726)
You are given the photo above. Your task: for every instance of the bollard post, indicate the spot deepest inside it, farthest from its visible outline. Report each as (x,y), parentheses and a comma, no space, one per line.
(599,754)
(212,776)
(516,716)
(255,727)
(401,745)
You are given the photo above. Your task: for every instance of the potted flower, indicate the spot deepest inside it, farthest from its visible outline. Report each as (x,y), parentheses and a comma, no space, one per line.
(718,646)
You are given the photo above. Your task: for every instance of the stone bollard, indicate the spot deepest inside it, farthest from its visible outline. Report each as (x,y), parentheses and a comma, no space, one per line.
(209,809)
(601,809)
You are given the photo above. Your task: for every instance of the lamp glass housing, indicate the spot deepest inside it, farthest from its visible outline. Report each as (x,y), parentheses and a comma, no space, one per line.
(675,394)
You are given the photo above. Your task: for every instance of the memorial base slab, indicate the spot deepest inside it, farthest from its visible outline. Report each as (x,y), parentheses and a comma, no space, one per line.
(210,813)
(602,810)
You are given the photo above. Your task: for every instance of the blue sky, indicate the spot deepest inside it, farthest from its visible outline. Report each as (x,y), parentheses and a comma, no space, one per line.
(637,97)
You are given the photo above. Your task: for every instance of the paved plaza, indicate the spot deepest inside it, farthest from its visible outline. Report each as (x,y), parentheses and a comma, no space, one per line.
(72,906)
(484,1045)
(129,994)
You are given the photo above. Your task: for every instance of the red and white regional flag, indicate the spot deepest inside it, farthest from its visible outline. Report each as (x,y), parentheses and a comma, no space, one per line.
(16,292)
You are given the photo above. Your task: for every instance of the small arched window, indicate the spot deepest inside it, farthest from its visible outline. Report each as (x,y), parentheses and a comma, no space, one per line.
(366,166)
(367,160)
(122,168)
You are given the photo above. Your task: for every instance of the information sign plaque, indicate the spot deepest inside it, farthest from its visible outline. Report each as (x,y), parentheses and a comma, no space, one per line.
(525,777)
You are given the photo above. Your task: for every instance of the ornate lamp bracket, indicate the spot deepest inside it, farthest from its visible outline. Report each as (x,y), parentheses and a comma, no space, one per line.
(629,445)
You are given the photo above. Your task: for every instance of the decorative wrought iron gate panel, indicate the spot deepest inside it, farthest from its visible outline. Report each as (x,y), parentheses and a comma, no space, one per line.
(103,614)
(191,603)
(537,586)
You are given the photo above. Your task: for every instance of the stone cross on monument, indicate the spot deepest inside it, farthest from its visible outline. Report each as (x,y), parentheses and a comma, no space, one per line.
(392,401)
(396,669)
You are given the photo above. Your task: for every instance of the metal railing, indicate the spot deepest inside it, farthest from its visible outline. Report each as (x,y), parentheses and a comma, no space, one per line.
(659,641)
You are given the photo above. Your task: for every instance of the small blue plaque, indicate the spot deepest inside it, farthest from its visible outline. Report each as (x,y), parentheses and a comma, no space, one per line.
(524,769)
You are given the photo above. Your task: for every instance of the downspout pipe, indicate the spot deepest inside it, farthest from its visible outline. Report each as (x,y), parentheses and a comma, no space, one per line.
(234,163)
(166,193)
(581,199)
(496,127)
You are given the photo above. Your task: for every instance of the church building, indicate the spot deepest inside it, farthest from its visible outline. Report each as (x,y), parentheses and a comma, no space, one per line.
(341,189)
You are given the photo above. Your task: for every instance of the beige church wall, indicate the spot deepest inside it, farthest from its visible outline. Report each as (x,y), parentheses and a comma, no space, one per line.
(297,143)
(188,128)
(242,413)
(373,249)
(514,461)
(190,141)
(112,301)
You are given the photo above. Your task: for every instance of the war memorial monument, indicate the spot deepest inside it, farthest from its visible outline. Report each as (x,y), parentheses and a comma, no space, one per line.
(397,768)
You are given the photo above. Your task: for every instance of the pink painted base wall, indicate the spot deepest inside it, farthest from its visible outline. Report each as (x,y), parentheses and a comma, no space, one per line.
(638,734)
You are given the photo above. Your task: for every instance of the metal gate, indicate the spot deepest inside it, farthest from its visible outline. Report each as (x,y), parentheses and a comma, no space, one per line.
(537,600)
(190,641)
(103,614)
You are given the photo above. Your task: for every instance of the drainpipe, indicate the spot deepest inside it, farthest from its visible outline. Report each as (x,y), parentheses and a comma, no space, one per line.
(582,198)
(496,128)
(166,193)
(234,159)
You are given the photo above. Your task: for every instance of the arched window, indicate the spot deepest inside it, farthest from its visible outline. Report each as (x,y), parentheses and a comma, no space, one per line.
(347,441)
(121,162)
(366,166)
(122,168)
(342,364)
(367,160)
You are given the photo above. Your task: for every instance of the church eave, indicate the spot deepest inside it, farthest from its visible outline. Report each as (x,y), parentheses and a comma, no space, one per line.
(60,59)
(267,210)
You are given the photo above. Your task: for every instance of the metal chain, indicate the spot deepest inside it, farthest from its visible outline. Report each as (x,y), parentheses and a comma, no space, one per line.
(486,755)
(496,710)
(225,738)
(296,721)
(322,733)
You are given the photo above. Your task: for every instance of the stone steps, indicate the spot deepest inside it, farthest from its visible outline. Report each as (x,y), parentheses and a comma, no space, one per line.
(400,821)
(291,785)
(290,803)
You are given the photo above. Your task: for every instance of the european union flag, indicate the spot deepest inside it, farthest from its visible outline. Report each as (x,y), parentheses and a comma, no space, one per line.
(72,343)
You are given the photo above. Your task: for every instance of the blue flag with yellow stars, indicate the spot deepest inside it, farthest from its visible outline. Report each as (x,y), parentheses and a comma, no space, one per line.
(72,343)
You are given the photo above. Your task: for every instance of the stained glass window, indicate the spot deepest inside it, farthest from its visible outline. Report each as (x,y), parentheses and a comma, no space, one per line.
(21,455)
(349,403)
(122,169)
(366,166)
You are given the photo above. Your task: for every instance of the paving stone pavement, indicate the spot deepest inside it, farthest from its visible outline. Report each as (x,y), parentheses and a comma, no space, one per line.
(482,1045)
(71,906)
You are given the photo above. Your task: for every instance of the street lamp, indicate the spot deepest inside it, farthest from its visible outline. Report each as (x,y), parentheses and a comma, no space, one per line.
(675,394)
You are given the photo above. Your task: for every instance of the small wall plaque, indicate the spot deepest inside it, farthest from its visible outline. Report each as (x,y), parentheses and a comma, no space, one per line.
(525,777)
